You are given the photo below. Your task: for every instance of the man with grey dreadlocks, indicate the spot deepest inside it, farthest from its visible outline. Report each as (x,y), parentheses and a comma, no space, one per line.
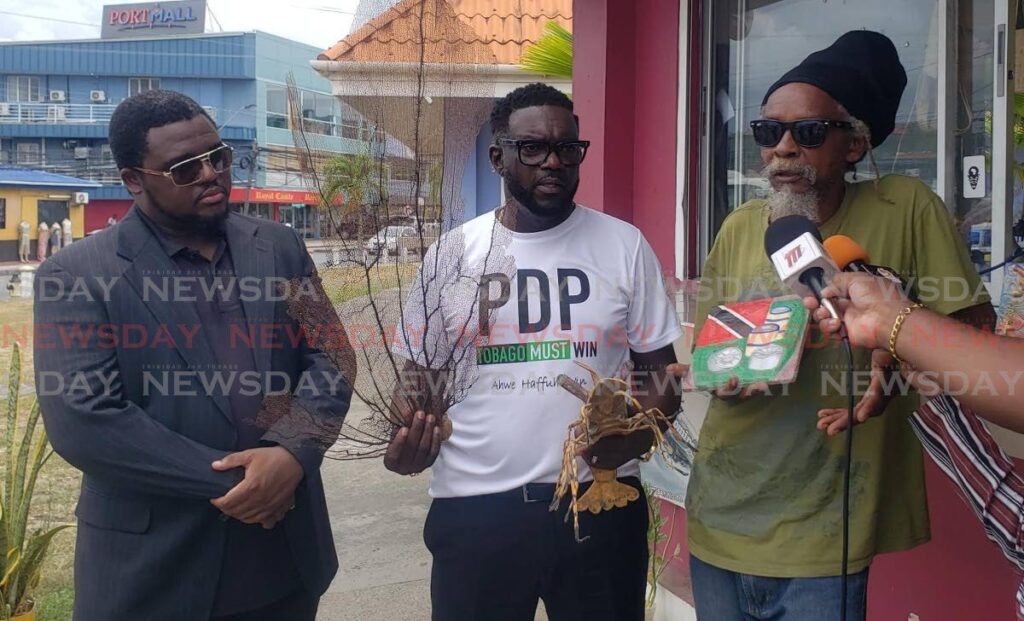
(763,501)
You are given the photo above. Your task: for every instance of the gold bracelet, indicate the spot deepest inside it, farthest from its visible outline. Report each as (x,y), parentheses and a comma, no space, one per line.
(897,326)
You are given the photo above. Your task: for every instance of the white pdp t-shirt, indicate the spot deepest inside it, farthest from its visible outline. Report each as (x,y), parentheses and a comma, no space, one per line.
(588,290)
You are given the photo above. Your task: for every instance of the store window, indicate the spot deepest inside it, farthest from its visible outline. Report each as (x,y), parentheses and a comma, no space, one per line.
(3,213)
(319,112)
(141,85)
(301,218)
(753,42)
(29,153)
(277,106)
(258,210)
(52,211)
(24,88)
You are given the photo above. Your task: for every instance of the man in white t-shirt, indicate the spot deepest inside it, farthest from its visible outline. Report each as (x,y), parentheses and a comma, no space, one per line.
(584,287)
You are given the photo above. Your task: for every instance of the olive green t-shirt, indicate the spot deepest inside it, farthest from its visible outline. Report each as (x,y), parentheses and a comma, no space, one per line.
(765,495)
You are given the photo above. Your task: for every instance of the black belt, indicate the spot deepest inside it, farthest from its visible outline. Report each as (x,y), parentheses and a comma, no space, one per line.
(545,492)
(531,492)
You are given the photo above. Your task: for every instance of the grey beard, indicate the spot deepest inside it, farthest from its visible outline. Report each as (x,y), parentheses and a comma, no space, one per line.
(785,203)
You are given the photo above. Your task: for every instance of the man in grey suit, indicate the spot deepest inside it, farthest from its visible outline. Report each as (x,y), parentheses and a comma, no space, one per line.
(157,341)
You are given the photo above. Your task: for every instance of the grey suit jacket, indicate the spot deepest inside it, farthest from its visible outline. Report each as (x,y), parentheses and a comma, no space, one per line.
(150,544)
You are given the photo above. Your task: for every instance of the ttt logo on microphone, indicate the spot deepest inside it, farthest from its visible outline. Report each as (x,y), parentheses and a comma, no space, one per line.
(794,255)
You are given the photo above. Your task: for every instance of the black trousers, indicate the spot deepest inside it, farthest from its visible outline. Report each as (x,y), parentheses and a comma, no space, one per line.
(299,606)
(496,555)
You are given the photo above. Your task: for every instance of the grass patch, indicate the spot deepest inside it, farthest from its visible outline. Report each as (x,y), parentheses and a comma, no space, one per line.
(57,487)
(55,605)
(16,327)
(348,283)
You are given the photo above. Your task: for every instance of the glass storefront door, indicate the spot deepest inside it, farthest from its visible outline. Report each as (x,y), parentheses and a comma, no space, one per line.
(984,179)
(301,218)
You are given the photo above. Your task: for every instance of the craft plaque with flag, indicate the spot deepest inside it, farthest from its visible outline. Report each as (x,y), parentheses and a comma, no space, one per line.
(756,341)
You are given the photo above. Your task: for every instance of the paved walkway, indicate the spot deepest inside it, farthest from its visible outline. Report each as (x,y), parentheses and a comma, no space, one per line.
(377,519)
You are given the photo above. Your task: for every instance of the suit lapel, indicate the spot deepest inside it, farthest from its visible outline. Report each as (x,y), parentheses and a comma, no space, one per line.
(150,276)
(253,258)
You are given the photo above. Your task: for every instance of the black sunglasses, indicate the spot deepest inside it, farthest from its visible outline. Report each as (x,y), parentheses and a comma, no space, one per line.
(808,133)
(190,171)
(536,152)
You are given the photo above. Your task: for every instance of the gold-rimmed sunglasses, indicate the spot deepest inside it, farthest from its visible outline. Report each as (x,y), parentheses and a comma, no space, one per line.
(190,172)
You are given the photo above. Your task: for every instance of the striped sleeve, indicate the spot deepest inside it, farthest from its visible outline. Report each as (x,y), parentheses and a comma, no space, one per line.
(964,449)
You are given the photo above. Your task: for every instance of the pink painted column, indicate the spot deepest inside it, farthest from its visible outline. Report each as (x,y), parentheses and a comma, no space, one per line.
(625,89)
(654,130)
(603,74)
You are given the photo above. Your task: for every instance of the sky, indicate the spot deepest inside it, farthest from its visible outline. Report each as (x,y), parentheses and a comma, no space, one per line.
(316,22)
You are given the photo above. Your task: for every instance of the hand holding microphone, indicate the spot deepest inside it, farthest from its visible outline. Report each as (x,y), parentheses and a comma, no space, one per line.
(868,305)
(868,296)
(851,257)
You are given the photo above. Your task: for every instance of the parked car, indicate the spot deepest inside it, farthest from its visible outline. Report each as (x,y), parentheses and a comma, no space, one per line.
(387,239)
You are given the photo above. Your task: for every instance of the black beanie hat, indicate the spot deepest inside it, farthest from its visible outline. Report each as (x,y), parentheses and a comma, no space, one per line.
(861,71)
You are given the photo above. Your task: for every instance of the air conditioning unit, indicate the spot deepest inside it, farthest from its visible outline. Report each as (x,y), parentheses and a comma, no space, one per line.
(97,96)
(5,109)
(58,96)
(81,153)
(57,113)
(81,198)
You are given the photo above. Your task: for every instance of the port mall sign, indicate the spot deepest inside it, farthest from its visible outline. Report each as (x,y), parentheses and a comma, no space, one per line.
(122,21)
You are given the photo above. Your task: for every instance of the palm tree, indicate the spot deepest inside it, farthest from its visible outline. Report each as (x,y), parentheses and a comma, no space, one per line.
(551,54)
(348,176)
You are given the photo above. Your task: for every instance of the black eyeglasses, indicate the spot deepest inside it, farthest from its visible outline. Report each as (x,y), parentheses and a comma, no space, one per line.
(536,152)
(190,171)
(808,133)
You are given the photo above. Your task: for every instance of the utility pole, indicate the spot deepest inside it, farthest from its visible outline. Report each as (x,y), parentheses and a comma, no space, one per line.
(253,156)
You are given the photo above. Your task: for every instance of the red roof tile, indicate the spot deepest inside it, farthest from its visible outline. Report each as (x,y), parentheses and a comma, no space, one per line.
(452,31)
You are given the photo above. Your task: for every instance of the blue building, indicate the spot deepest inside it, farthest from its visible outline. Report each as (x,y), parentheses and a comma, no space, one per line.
(56,98)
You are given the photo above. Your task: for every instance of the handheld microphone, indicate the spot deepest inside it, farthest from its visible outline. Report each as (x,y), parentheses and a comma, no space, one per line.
(793,244)
(849,256)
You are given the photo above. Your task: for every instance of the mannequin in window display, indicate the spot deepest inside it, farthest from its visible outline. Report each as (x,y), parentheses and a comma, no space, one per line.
(24,228)
(55,234)
(43,241)
(65,224)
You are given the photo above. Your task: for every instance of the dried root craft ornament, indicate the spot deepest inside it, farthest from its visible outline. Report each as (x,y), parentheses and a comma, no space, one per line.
(608,410)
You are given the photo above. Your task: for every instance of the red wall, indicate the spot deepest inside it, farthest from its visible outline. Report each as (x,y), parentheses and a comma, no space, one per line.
(98,211)
(625,86)
(959,576)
